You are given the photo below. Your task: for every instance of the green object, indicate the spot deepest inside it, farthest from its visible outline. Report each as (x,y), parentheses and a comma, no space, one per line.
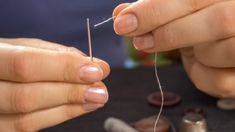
(146,59)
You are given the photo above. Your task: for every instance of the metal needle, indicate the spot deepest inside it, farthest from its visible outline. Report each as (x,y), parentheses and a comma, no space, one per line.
(89,39)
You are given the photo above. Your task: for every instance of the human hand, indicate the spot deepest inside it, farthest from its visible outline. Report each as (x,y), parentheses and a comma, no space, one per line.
(43,84)
(202,29)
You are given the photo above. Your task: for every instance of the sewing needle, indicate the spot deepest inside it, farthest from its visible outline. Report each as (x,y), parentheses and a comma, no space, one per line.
(89,39)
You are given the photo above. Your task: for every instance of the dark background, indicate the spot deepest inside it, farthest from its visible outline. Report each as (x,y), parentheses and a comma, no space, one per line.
(64,22)
(129,90)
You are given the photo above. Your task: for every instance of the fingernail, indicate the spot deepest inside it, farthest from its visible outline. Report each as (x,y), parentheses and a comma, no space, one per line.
(91,73)
(96,95)
(92,107)
(144,42)
(125,24)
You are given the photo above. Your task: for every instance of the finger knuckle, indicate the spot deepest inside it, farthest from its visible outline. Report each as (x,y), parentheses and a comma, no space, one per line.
(24,124)
(66,71)
(198,4)
(34,40)
(75,94)
(69,49)
(194,4)
(224,20)
(21,100)
(147,7)
(21,67)
(156,12)
(30,41)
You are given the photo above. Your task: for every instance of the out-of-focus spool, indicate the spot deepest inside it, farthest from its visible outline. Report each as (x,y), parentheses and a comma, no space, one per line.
(193,122)
(146,125)
(116,125)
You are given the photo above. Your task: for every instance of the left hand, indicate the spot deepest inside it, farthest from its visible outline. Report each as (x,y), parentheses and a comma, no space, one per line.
(203,30)
(43,84)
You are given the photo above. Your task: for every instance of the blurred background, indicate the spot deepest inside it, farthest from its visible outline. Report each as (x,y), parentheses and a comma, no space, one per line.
(64,22)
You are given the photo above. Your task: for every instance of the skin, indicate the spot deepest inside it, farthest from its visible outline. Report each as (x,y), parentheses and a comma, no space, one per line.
(203,30)
(44,84)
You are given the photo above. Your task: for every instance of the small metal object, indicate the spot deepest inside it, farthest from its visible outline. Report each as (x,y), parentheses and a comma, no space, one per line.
(196,110)
(226,104)
(116,125)
(89,39)
(193,122)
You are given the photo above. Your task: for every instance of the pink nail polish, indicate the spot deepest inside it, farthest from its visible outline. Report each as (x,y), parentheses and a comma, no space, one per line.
(96,95)
(91,73)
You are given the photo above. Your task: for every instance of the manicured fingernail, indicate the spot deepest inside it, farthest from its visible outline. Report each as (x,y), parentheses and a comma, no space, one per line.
(96,95)
(91,73)
(125,24)
(92,107)
(144,42)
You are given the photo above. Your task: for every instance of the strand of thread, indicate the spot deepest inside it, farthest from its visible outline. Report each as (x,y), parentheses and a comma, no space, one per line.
(157,77)
(105,21)
(162,94)
(173,127)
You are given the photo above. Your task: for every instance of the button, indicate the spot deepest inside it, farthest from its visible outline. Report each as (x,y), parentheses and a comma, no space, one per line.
(193,122)
(195,110)
(170,99)
(147,124)
(226,104)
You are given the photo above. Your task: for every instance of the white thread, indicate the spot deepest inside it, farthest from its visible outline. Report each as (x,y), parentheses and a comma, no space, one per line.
(157,77)
(173,127)
(161,91)
(105,21)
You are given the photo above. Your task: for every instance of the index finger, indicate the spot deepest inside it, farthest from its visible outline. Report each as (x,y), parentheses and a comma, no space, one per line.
(145,15)
(38,43)
(26,64)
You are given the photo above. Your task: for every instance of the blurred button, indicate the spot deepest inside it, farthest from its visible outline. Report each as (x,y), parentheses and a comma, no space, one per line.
(116,125)
(193,122)
(170,99)
(195,110)
(226,104)
(147,124)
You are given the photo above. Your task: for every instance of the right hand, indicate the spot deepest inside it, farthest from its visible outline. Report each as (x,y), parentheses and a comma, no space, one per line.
(203,30)
(43,84)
